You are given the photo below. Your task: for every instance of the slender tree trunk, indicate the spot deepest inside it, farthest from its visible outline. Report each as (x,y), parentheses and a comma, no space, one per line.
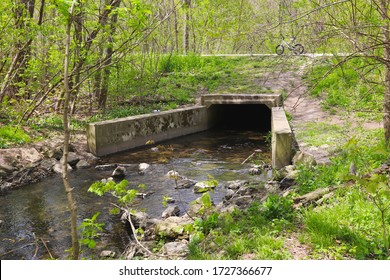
(236,45)
(102,21)
(108,59)
(386,118)
(78,24)
(384,11)
(175,25)
(68,189)
(186,30)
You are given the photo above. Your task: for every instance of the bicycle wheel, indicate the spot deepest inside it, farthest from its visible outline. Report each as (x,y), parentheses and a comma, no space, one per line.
(279,49)
(298,49)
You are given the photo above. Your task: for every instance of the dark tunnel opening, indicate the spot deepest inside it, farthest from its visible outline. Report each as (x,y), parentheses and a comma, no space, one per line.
(254,117)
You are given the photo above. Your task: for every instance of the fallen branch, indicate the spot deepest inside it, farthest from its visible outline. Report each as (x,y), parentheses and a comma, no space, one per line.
(47,249)
(9,252)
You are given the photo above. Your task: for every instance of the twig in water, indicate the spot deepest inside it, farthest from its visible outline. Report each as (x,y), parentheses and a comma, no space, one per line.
(248,158)
(44,244)
(24,246)
(36,245)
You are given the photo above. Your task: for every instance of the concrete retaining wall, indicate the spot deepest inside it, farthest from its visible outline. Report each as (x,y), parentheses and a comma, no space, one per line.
(281,138)
(108,137)
(118,135)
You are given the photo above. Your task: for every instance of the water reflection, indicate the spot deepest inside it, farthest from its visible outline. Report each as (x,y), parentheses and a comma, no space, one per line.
(36,220)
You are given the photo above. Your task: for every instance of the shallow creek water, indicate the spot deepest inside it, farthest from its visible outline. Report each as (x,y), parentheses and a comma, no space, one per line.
(35,219)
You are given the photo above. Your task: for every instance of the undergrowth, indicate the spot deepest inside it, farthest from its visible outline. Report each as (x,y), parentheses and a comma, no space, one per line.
(354,86)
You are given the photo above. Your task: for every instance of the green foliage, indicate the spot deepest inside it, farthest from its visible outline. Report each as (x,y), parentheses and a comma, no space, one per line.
(367,150)
(348,227)
(90,231)
(230,236)
(277,207)
(206,201)
(10,135)
(355,86)
(378,189)
(119,190)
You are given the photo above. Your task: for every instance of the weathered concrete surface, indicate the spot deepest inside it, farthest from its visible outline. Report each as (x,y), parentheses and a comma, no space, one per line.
(108,137)
(281,138)
(271,100)
(117,135)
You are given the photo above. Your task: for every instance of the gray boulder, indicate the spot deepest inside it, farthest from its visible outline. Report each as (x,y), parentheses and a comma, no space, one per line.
(176,250)
(57,168)
(82,164)
(73,159)
(171,211)
(173,227)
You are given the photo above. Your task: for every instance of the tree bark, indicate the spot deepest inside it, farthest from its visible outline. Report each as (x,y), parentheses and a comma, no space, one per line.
(108,59)
(175,25)
(102,21)
(68,189)
(186,33)
(384,11)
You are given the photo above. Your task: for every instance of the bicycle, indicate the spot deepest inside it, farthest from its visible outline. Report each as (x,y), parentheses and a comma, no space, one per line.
(297,49)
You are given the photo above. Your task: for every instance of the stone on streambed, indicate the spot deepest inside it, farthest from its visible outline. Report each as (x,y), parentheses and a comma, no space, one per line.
(171,211)
(57,168)
(73,159)
(197,208)
(173,227)
(104,167)
(235,185)
(204,186)
(142,168)
(172,174)
(120,171)
(82,164)
(106,180)
(185,183)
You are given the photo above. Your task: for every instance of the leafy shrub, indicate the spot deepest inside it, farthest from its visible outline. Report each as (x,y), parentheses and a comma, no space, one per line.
(278,207)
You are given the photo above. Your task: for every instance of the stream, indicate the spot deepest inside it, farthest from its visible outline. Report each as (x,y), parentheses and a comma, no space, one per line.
(35,219)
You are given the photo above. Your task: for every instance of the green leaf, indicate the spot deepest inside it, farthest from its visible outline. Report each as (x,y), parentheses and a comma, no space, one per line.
(114,211)
(91,244)
(371,187)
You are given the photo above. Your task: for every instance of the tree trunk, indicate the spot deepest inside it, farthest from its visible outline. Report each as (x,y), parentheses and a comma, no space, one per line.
(175,25)
(78,35)
(102,21)
(68,188)
(384,11)
(186,34)
(236,45)
(108,59)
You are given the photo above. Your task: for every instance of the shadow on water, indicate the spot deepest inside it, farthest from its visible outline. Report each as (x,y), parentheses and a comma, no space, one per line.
(36,216)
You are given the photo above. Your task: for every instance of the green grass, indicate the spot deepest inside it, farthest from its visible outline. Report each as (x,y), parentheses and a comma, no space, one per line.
(353,87)
(255,232)
(11,135)
(367,150)
(322,133)
(348,226)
